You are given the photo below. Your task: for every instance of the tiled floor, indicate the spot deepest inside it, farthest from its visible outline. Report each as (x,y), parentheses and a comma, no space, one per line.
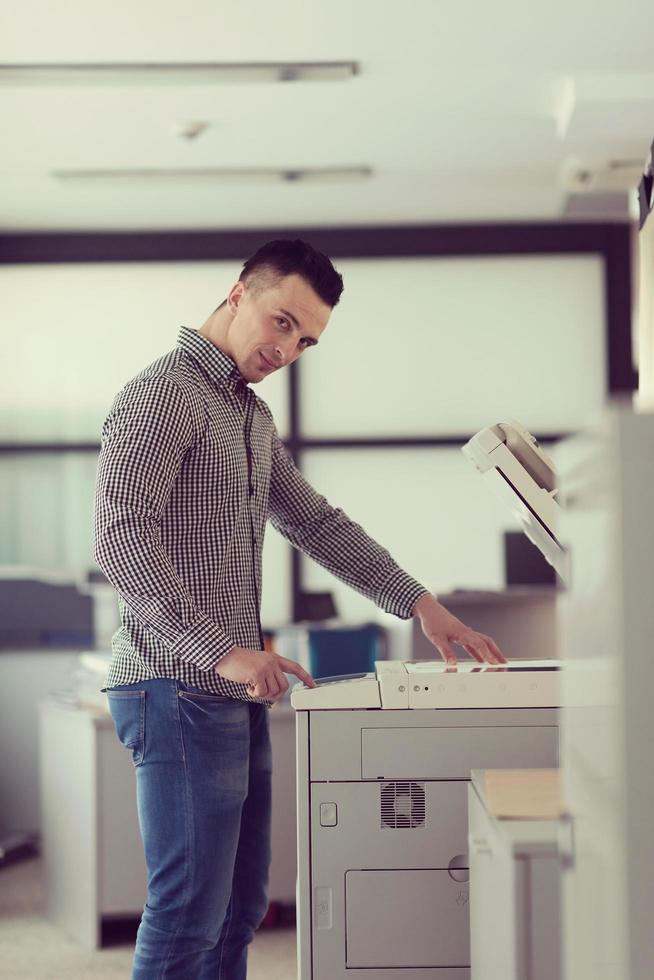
(32,948)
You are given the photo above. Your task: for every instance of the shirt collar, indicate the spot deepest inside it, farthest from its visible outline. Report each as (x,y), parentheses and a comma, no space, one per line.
(220,368)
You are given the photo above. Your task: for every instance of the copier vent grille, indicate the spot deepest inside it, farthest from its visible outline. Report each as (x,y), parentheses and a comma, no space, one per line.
(402,805)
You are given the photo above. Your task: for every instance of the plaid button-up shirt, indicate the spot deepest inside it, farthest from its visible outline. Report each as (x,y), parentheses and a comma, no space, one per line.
(190,470)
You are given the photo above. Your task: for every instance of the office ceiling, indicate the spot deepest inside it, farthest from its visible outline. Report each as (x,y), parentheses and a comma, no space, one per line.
(463,112)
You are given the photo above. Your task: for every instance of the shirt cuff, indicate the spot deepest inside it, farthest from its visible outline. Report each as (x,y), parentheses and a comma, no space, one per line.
(203,644)
(400,593)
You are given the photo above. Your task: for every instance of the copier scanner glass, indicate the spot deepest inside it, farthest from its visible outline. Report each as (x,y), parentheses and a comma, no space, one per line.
(473,666)
(522,474)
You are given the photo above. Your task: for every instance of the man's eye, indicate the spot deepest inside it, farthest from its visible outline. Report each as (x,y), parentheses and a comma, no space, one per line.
(282,321)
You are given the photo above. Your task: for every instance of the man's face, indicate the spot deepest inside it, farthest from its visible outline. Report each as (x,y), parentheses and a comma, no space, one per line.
(274,326)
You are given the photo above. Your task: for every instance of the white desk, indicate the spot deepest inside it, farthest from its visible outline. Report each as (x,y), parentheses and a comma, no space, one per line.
(515,908)
(93,855)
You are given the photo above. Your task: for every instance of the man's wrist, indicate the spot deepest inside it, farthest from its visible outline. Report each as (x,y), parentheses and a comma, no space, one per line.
(425,602)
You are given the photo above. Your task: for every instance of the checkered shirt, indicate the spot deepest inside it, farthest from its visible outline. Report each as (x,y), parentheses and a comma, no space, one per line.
(190,470)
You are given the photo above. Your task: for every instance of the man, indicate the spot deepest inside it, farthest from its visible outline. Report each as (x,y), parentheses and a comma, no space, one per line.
(191,468)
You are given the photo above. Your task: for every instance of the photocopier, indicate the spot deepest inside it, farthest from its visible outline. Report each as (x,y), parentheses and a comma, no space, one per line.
(383,764)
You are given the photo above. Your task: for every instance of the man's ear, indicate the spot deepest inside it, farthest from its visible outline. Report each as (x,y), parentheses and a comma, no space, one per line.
(235,296)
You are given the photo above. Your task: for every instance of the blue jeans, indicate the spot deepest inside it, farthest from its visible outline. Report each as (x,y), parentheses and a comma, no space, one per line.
(203,772)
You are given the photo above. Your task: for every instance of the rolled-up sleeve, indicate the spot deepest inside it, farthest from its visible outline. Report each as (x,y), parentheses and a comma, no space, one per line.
(340,545)
(144,440)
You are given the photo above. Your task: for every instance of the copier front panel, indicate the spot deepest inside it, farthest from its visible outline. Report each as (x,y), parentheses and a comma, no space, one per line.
(382,846)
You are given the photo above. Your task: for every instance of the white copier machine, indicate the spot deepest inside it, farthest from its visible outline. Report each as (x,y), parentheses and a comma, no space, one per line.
(383,764)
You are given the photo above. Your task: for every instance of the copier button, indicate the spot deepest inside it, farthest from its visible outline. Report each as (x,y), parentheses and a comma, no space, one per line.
(328,815)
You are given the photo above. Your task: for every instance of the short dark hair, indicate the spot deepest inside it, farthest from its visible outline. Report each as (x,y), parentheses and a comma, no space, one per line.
(286,257)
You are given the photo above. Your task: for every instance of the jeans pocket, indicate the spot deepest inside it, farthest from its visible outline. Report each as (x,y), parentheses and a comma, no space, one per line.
(128,712)
(195,694)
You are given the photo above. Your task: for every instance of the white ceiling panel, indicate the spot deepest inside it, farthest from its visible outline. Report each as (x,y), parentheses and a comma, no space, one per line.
(456,109)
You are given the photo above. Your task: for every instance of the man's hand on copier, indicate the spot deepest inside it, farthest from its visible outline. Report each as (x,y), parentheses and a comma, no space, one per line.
(442,629)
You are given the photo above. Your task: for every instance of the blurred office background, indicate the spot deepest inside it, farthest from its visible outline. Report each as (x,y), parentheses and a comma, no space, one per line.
(422,352)
(471,172)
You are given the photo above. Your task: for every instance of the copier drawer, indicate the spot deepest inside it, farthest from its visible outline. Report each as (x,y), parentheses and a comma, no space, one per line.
(450,753)
(405,919)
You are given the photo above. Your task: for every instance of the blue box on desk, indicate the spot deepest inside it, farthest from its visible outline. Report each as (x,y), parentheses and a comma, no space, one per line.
(333,651)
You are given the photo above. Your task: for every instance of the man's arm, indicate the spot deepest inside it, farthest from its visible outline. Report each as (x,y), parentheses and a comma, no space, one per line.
(144,440)
(341,546)
(327,535)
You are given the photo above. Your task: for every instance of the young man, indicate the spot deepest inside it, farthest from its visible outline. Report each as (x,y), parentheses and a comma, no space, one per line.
(191,469)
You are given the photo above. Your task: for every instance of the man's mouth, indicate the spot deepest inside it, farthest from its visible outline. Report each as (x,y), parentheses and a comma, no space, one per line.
(268,365)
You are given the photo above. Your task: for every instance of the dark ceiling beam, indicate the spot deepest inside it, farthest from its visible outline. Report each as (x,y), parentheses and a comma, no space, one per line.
(365,242)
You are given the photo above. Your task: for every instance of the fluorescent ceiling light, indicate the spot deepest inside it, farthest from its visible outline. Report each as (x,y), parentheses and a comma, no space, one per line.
(181,73)
(144,175)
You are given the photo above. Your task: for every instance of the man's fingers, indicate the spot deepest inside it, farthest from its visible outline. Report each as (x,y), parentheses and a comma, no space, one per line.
(447,653)
(493,653)
(282,683)
(259,689)
(290,667)
(496,650)
(274,689)
(480,651)
(472,651)
(481,647)
(283,686)
(283,680)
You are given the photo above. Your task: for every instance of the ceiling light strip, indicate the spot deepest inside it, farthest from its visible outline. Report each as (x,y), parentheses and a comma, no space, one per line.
(226,174)
(180,73)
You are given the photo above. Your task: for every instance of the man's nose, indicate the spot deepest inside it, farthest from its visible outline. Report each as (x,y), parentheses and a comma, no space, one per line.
(281,354)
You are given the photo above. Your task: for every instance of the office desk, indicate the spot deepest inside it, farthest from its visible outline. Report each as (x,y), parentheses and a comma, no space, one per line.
(515,881)
(93,855)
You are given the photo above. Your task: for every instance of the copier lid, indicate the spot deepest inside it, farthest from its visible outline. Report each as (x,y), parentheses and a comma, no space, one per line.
(516,468)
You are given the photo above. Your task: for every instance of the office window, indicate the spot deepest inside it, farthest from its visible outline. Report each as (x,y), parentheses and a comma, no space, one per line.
(46,517)
(77,333)
(437,346)
(46,523)
(428,508)
(276,585)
